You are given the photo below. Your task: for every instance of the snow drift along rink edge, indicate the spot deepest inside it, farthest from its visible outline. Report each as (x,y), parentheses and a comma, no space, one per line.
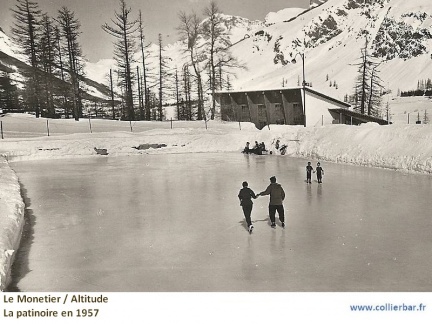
(11,220)
(405,148)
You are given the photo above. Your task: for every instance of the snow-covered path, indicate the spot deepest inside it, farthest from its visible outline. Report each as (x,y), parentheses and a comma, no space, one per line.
(173,223)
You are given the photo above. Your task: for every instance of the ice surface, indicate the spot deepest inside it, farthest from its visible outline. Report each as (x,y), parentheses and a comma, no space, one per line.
(400,147)
(173,223)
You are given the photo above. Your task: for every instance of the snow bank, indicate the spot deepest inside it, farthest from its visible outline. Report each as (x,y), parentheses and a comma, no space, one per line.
(11,219)
(282,15)
(400,147)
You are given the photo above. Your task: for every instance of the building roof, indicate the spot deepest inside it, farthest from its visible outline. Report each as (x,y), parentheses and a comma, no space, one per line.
(308,89)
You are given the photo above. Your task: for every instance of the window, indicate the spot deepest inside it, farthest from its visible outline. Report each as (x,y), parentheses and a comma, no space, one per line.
(278,108)
(262,114)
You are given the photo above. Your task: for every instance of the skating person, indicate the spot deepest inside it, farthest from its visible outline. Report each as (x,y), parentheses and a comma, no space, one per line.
(245,196)
(319,172)
(277,195)
(309,170)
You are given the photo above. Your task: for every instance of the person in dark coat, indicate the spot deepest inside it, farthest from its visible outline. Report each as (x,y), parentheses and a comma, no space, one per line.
(309,170)
(257,148)
(247,149)
(245,196)
(277,195)
(319,172)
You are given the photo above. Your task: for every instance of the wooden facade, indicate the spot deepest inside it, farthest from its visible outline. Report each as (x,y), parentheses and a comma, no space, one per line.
(262,107)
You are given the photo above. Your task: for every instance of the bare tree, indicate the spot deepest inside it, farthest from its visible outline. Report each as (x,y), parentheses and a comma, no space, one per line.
(218,49)
(190,31)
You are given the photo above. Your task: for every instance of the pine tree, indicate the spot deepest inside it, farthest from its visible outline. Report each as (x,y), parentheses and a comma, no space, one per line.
(428,84)
(161,73)
(9,97)
(187,113)
(346,98)
(26,32)
(164,76)
(69,28)
(368,85)
(387,111)
(140,95)
(48,53)
(123,29)
(229,85)
(144,57)
(426,117)
(60,72)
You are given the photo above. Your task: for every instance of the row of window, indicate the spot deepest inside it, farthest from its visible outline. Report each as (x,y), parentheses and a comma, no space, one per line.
(262,109)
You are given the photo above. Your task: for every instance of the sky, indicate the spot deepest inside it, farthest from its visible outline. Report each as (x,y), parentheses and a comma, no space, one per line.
(160,16)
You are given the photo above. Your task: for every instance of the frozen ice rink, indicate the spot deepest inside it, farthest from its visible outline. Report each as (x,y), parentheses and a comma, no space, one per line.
(173,223)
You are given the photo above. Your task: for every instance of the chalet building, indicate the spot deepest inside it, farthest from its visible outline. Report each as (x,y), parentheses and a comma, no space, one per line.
(285,106)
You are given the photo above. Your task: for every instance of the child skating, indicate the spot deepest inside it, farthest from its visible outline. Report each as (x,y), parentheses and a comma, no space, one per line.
(245,196)
(309,170)
(319,172)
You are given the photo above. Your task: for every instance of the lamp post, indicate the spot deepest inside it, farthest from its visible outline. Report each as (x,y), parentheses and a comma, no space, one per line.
(303,85)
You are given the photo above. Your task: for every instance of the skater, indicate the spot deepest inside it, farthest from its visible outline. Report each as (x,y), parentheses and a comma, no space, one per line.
(277,195)
(319,172)
(245,196)
(309,170)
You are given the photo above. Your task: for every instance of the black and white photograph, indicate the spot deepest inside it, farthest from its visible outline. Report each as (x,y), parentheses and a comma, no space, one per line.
(261,154)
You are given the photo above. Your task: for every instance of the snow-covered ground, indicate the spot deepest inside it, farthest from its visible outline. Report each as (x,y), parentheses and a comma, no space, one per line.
(403,147)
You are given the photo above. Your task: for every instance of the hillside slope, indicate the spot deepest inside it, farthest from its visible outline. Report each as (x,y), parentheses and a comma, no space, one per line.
(331,37)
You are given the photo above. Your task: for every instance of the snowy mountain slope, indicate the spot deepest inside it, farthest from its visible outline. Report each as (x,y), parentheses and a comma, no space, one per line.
(282,15)
(331,37)
(174,54)
(14,63)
